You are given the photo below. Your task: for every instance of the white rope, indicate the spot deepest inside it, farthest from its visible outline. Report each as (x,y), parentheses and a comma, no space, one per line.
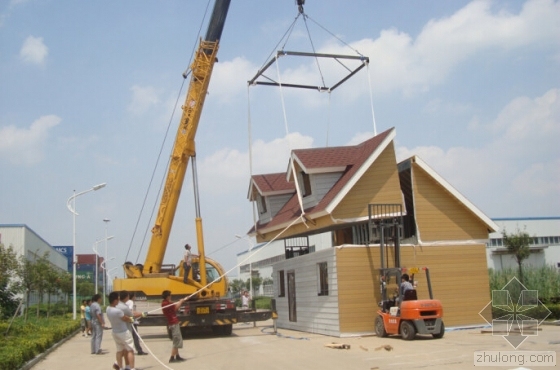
(218,278)
(250,140)
(149,350)
(281,94)
(371,100)
(329,120)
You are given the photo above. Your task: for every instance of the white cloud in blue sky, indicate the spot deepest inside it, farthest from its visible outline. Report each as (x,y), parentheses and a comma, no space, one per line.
(472,87)
(34,51)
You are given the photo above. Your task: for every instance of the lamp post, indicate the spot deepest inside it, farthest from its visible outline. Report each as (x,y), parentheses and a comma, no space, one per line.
(250,263)
(106,220)
(71,205)
(97,261)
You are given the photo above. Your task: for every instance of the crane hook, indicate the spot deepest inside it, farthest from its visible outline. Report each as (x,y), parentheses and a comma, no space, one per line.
(300,5)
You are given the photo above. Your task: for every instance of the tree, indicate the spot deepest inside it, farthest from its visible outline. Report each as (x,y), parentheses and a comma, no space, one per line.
(43,270)
(28,280)
(256,282)
(518,244)
(236,285)
(8,284)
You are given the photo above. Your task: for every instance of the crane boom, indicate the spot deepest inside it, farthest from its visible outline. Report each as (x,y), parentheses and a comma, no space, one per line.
(207,306)
(184,148)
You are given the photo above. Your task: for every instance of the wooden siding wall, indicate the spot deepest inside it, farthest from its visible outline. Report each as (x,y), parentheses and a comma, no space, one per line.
(315,314)
(458,273)
(380,184)
(439,215)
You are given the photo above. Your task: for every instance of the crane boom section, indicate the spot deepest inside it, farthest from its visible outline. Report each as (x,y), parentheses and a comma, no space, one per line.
(183,149)
(184,146)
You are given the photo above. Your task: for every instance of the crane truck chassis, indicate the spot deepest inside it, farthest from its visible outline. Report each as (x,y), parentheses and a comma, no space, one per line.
(219,315)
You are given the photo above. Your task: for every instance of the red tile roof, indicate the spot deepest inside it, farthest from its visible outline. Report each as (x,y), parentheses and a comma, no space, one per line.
(349,157)
(273,183)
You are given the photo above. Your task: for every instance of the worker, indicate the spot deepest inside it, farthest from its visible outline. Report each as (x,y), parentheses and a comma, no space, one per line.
(245,299)
(170,311)
(187,259)
(405,284)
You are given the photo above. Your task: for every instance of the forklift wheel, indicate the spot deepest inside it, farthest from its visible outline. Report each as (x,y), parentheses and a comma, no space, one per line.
(408,332)
(441,332)
(380,327)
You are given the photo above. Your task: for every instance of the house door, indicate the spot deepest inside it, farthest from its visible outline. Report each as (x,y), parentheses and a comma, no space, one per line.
(292,296)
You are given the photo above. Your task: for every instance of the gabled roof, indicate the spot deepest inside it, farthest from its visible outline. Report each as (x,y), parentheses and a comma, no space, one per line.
(353,161)
(271,184)
(491,225)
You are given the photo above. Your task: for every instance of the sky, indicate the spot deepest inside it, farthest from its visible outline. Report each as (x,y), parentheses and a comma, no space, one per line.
(88,91)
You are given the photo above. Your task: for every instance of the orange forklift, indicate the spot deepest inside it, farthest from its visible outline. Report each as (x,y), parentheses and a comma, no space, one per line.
(404,314)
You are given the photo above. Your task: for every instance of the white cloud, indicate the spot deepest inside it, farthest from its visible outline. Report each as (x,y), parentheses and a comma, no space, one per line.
(26,146)
(229,79)
(520,161)
(232,167)
(143,98)
(34,51)
(411,65)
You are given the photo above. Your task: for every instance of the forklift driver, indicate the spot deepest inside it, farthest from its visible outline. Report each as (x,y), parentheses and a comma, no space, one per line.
(405,284)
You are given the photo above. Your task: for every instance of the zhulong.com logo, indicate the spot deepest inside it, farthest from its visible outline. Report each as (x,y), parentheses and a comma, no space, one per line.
(518,312)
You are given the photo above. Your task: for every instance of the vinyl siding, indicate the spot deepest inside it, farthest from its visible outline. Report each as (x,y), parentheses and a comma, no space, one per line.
(315,314)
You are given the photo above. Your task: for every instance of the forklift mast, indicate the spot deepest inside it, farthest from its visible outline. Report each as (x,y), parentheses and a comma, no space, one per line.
(385,225)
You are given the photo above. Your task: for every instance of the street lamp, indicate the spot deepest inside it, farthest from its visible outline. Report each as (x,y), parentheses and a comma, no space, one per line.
(72,208)
(97,261)
(106,220)
(251,245)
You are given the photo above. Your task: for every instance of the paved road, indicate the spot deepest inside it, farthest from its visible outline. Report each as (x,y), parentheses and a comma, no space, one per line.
(258,348)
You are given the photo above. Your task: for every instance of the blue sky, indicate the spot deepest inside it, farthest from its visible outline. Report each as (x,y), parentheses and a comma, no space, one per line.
(88,89)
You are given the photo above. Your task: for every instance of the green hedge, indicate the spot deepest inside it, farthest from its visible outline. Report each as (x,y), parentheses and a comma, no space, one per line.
(545,280)
(25,340)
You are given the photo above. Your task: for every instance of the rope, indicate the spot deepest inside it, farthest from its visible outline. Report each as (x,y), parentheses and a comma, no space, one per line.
(328,120)
(371,100)
(280,335)
(250,140)
(236,266)
(281,95)
(314,51)
(148,348)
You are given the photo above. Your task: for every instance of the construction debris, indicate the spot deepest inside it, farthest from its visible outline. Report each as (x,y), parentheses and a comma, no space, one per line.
(386,347)
(338,345)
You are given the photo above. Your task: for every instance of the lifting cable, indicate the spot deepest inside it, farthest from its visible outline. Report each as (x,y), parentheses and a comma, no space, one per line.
(284,40)
(185,75)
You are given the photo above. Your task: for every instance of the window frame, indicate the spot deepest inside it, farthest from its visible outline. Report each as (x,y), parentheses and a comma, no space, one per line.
(323,279)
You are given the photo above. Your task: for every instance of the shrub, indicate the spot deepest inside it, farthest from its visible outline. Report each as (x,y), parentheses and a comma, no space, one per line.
(25,340)
(545,280)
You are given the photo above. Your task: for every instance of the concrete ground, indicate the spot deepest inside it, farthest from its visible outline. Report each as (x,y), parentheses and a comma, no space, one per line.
(259,348)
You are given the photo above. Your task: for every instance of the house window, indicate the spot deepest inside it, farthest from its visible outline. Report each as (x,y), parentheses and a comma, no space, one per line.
(281,286)
(323,278)
(261,201)
(306,184)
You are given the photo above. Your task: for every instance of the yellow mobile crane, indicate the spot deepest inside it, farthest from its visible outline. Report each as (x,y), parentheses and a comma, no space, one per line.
(206,280)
